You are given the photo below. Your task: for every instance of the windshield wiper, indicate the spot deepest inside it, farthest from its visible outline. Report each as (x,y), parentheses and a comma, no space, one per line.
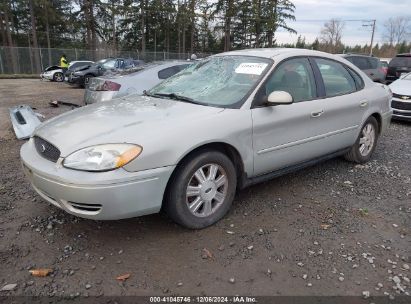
(173,96)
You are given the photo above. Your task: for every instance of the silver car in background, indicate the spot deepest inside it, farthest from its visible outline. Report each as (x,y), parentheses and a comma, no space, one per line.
(224,123)
(105,88)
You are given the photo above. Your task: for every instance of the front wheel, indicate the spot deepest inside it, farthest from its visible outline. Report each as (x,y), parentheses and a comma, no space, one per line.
(201,190)
(58,77)
(363,148)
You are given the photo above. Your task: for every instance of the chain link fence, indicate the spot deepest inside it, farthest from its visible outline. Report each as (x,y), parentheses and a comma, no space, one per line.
(25,60)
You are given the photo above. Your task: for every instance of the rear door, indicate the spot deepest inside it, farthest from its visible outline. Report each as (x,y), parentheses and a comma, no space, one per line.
(345,102)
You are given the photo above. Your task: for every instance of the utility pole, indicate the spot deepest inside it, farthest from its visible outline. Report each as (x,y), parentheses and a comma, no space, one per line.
(372,24)
(372,36)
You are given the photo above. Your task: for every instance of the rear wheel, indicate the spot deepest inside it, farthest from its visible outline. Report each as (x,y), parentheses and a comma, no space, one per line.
(58,77)
(363,148)
(201,190)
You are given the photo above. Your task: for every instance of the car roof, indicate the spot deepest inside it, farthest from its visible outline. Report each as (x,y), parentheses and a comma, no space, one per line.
(357,55)
(404,55)
(273,52)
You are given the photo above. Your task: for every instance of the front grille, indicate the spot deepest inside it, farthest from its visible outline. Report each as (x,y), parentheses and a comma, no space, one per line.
(402,113)
(403,97)
(46,149)
(401,105)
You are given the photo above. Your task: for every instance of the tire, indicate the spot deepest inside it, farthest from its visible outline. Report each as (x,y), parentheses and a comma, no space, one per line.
(210,199)
(58,77)
(87,79)
(361,151)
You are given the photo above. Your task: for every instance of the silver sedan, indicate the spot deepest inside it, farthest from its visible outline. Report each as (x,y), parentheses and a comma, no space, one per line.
(224,123)
(105,88)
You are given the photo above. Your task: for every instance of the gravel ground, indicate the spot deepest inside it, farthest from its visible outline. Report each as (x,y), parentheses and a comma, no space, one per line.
(332,229)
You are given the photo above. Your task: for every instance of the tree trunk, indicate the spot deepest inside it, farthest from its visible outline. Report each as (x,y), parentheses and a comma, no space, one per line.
(184,28)
(179,29)
(143,34)
(34,36)
(3,31)
(48,34)
(192,15)
(9,39)
(93,30)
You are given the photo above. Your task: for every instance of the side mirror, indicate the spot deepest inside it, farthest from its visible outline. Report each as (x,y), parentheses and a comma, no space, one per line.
(279,98)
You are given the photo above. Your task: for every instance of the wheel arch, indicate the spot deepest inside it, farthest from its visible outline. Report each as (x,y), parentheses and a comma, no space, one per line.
(378,118)
(229,150)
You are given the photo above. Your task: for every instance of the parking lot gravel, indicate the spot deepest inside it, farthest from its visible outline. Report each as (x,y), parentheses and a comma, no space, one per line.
(335,228)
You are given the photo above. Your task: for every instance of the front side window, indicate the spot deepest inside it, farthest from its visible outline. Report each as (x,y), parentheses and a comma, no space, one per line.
(337,80)
(294,76)
(217,81)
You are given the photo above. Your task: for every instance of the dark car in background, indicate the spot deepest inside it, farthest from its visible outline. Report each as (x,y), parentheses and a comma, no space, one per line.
(399,65)
(81,75)
(75,65)
(371,66)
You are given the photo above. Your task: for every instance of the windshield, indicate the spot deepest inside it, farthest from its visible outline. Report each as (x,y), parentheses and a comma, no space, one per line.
(222,81)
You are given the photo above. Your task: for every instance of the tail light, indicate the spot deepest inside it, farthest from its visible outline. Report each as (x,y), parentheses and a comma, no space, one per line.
(384,70)
(108,86)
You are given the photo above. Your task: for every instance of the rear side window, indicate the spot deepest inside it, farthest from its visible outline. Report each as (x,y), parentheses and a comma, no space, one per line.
(400,62)
(374,62)
(337,79)
(359,82)
(361,62)
(168,72)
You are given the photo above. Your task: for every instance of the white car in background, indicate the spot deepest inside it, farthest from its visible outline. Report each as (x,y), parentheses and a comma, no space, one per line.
(108,87)
(401,97)
(55,73)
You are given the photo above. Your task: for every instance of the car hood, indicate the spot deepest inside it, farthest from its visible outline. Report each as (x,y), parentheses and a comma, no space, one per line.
(401,87)
(129,119)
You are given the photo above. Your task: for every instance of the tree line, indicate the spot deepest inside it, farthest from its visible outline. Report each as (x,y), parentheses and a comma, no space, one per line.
(163,25)
(181,26)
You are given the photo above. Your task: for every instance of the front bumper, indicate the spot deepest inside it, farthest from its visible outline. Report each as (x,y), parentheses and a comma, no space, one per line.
(75,79)
(108,195)
(98,96)
(46,76)
(401,108)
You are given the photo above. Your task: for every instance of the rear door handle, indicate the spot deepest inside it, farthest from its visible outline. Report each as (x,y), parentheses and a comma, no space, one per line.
(317,114)
(364,103)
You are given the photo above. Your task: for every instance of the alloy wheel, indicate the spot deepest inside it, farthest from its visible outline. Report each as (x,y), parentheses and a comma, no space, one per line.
(206,190)
(367,139)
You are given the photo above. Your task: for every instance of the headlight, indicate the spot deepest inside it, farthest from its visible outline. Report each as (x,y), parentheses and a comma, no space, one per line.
(102,157)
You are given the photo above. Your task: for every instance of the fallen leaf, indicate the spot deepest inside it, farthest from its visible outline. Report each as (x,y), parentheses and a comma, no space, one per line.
(325,226)
(40,272)
(208,253)
(123,277)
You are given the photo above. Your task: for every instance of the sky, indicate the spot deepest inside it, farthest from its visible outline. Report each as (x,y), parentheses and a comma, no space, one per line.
(312,14)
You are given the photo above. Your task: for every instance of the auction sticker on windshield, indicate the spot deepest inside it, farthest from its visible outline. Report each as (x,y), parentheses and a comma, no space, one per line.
(251,68)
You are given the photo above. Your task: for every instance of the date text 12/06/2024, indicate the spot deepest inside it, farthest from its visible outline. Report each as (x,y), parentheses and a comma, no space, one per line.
(203,299)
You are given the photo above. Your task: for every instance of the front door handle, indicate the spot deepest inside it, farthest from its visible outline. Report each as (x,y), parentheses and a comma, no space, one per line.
(364,103)
(317,114)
